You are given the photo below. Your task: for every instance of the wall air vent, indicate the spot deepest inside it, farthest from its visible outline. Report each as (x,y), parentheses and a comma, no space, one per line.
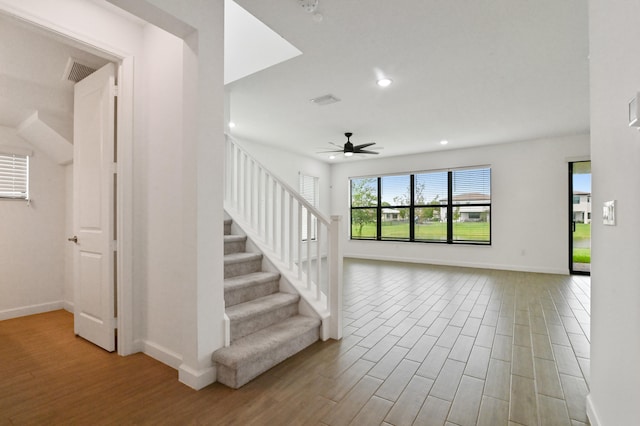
(76,71)
(325,100)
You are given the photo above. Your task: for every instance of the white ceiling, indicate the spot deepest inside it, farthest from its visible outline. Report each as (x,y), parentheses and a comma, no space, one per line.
(31,76)
(471,72)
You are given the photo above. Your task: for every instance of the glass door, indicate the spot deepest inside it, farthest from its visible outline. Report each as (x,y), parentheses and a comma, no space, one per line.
(580,217)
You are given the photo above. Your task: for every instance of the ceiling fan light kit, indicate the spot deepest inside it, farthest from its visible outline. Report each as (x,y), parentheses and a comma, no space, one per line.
(349,148)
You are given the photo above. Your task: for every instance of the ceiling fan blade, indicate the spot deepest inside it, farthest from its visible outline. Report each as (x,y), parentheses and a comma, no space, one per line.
(336,145)
(364,145)
(364,151)
(324,152)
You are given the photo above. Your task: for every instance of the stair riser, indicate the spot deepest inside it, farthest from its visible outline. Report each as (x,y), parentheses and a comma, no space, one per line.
(234,378)
(242,268)
(259,321)
(234,247)
(227,229)
(235,297)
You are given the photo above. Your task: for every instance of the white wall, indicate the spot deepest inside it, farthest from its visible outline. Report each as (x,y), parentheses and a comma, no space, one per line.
(163,157)
(288,165)
(33,239)
(529,212)
(615,290)
(201,24)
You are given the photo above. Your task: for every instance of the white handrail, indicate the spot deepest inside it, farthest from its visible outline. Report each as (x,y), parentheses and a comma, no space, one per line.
(298,239)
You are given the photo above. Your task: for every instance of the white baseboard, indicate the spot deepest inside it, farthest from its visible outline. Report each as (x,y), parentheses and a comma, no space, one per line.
(591,412)
(161,354)
(197,379)
(23,311)
(517,268)
(69,306)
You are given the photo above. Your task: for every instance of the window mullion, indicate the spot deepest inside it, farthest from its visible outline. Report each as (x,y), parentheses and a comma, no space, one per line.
(379,212)
(450,207)
(412,210)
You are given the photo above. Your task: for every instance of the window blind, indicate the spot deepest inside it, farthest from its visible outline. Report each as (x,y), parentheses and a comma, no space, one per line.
(309,191)
(14,176)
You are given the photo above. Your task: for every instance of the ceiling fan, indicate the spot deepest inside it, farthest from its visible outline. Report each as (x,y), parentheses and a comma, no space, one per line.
(349,148)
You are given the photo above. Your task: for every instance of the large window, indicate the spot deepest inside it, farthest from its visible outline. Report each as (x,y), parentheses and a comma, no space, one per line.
(451,206)
(14,176)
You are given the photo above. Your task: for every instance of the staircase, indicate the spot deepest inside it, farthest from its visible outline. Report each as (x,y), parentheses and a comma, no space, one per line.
(265,324)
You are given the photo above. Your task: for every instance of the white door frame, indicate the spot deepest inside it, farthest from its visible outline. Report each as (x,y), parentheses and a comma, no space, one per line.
(126,342)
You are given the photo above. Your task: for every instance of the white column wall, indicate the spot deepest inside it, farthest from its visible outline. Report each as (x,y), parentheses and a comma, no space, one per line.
(202,298)
(615,291)
(529,212)
(163,244)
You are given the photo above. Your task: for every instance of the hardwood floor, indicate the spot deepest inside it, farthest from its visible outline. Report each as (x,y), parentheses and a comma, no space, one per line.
(423,345)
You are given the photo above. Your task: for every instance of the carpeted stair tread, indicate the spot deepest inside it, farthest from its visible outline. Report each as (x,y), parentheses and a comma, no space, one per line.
(234,238)
(234,244)
(243,288)
(248,280)
(261,305)
(241,263)
(259,346)
(265,326)
(233,258)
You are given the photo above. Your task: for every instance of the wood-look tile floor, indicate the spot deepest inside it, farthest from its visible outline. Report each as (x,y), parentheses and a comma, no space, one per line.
(423,345)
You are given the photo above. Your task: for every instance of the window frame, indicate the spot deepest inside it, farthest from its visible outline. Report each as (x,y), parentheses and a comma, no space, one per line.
(9,188)
(448,207)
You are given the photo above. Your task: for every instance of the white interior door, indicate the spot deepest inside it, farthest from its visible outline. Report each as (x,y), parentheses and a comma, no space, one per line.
(93,205)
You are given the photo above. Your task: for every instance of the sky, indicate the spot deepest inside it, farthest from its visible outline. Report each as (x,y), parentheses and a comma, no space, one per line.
(582,182)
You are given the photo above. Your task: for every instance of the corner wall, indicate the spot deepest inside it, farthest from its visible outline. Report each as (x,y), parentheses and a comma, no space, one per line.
(161,310)
(33,240)
(529,212)
(614,30)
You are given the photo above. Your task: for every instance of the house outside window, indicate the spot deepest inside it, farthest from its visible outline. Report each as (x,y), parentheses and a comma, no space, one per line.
(581,207)
(452,206)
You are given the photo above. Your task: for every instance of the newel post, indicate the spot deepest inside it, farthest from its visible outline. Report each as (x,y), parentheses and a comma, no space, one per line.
(335,278)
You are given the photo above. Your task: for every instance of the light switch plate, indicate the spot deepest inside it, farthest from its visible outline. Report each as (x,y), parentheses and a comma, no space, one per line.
(609,213)
(634,111)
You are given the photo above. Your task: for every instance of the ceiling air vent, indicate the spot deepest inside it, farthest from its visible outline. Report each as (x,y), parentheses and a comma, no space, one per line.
(325,100)
(77,71)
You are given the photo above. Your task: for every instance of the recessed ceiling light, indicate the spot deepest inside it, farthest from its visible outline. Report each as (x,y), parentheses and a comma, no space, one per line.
(384,82)
(232,124)
(332,157)
(444,142)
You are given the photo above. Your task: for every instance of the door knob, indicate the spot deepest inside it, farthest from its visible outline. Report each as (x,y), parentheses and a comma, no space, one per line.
(73,239)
